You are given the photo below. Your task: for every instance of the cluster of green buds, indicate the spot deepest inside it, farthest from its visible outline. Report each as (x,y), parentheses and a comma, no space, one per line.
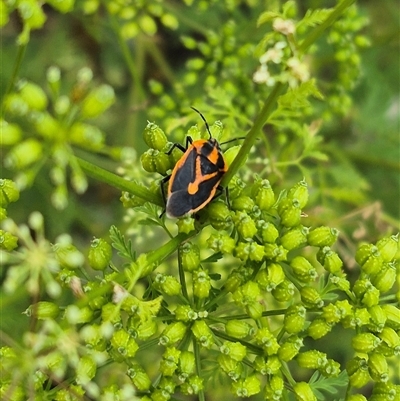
(37,127)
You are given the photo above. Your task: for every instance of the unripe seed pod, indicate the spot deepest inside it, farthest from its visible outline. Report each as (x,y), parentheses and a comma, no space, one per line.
(8,241)
(154,136)
(173,333)
(303,392)
(221,243)
(364,252)
(311,297)
(86,369)
(267,340)
(219,215)
(356,397)
(295,318)
(43,310)
(378,367)
(263,195)
(322,236)
(365,342)
(186,224)
(187,363)
(245,225)
(290,348)
(243,203)
(373,264)
(139,377)
(189,255)
(299,192)
(249,250)
(388,247)
(269,233)
(155,161)
(238,328)
(384,280)
(312,359)
(392,315)
(273,389)
(8,192)
(289,212)
(319,328)
(203,334)
(303,269)
(231,367)
(357,368)
(284,291)
(201,283)
(295,238)
(268,279)
(100,253)
(390,337)
(378,317)
(168,284)
(24,154)
(236,351)
(11,133)
(330,260)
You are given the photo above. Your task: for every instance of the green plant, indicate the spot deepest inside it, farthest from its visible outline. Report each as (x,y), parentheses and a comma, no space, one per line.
(247,297)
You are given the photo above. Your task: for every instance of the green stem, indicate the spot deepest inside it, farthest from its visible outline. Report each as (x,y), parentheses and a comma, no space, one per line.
(196,351)
(17,65)
(119,182)
(313,36)
(253,133)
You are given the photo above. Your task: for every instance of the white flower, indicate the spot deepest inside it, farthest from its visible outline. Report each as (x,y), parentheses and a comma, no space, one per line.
(285,27)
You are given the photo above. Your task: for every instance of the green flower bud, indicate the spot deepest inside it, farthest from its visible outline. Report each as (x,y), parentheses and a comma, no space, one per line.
(331,314)
(272,365)
(219,215)
(43,310)
(245,225)
(322,236)
(155,161)
(246,387)
(365,342)
(263,195)
(154,136)
(192,386)
(11,133)
(384,280)
(385,392)
(124,344)
(243,203)
(275,252)
(33,95)
(24,154)
(203,334)
(341,282)
(319,328)
(330,369)
(303,392)
(249,250)
(378,317)
(139,377)
(359,318)
(86,369)
(145,329)
(303,269)
(186,224)
(366,292)
(289,212)
(273,389)
(185,313)
(378,367)
(392,315)
(167,284)
(100,253)
(169,363)
(97,101)
(290,348)
(236,186)
(221,243)
(8,241)
(201,283)
(295,318)
(235,350)
(295,238)
(86,136)
(284,292)
(312,359)
(388,247)
(267,340)
(76,315)
(300,193)
(357,370)
(238,328)
(311,297)
(269,278)
(231,367)
(187,364)
(269,233)
(236,278)
(254,309)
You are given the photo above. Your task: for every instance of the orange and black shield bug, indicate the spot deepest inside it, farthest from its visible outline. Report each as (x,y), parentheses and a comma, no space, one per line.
(195,178)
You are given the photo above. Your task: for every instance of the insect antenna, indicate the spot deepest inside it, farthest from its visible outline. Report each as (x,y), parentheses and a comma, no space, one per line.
(201,115)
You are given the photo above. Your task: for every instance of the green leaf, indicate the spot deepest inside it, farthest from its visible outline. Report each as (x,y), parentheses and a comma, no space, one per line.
(267,16)
(213,258)
(314,17)
(119,243)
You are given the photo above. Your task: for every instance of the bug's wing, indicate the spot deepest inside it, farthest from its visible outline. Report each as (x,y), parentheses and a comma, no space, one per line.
(184,173)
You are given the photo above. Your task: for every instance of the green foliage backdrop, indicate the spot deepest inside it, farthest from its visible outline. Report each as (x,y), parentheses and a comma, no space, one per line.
(103,299)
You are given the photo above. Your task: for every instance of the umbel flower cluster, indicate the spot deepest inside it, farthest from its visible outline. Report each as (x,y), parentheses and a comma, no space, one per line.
(248,300)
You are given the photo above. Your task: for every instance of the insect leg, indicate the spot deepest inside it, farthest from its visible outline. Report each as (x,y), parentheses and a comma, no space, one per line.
(189,141)
(162,183)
